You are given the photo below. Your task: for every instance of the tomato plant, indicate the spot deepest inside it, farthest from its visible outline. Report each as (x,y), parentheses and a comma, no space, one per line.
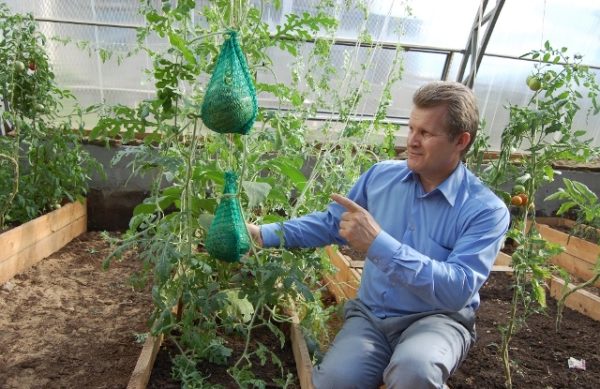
(282,173)
(42,162)
(543,132)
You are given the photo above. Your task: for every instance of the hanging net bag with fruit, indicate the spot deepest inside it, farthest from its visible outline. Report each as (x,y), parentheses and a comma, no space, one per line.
(230,104)
(227,237)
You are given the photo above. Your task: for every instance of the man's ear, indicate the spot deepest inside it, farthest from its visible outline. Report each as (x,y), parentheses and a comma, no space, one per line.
(462,141)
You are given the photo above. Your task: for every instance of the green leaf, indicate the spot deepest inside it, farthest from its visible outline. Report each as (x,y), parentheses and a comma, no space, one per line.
(546,57)
(239,307)
(205,220)
(162,269)
(292,172)
(181,45)
(539,293)
(565,207)
(144,208)
(165,201)
(523,179)
(273,219)
(589,196)
(257,192)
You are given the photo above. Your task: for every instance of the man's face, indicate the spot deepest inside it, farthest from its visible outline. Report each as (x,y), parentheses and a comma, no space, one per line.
(431,153)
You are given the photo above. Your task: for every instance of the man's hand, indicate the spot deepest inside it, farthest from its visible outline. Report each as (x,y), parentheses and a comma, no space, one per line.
(254,232)
(357,225)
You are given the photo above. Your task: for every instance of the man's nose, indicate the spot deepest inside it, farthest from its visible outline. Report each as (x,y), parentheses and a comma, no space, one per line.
(413,139)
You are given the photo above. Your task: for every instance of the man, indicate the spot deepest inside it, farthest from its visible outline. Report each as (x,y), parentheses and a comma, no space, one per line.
(431,232)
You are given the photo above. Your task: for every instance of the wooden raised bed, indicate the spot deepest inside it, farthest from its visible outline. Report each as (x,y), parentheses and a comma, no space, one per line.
(143,368)
(344,283)
(579,257)
(27,244)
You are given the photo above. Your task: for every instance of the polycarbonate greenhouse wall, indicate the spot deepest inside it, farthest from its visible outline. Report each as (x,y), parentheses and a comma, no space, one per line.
(437,31)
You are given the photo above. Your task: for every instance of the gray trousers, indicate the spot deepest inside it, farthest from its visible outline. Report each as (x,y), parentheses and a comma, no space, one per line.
(414,351)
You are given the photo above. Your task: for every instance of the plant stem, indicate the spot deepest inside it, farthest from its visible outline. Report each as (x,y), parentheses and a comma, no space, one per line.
(506,338)
(258,308)
(561,302)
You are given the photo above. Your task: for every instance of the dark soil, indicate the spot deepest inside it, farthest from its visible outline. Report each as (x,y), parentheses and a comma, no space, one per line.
(538,352)
(66,323)
(161,373)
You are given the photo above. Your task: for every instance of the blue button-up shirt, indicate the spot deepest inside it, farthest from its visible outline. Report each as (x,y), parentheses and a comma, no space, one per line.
(435,250)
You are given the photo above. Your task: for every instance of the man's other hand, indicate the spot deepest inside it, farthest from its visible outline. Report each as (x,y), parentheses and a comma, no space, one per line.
(254,232)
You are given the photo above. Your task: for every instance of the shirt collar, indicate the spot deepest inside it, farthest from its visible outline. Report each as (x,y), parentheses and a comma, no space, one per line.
(449,187)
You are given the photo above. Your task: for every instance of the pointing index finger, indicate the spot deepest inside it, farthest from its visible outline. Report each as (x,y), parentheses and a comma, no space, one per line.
(345,202)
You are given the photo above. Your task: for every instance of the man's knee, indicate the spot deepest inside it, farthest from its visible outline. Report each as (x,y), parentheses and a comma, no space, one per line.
(341,377)
(415,373)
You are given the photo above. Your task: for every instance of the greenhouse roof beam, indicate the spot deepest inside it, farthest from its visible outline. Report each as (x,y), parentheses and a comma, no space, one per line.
(473,52)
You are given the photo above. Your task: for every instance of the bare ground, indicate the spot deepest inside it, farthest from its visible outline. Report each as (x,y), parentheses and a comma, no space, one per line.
(66,323)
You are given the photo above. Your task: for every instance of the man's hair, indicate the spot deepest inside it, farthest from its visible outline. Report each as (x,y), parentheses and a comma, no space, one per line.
(462,113)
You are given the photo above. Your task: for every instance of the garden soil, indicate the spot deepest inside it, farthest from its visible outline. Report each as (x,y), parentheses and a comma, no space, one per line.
(540,355)
(66,323)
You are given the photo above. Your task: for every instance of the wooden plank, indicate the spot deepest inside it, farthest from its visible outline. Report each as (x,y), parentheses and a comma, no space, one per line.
(502,268)
(301,355)
(34,253)
(503,259)
(580,248)
(581,301)
(567,224)
(356,275)
(20,238)
(555,221)
(334,287)
(575,266)
(143,368)
(348,279)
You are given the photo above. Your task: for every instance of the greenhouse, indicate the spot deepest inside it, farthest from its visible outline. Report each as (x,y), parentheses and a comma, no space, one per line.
(299,194)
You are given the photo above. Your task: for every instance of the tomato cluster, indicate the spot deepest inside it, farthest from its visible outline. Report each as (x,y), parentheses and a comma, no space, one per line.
(519,200)
(519,197)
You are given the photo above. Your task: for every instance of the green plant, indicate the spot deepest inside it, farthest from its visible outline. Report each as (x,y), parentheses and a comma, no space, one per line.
(576,195)
(42,162)
(542,131)
(475,157)
(198,300)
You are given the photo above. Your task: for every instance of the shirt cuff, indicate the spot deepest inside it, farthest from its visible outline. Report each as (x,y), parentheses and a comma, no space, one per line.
(382,249)
(271,234)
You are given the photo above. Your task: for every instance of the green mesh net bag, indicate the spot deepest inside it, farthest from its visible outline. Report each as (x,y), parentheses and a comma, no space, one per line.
(227,237)
(230,104)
